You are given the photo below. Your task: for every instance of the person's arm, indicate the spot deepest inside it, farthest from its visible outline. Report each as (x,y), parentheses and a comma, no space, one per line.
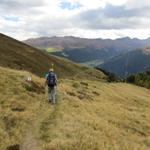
(46,79)
(56,79)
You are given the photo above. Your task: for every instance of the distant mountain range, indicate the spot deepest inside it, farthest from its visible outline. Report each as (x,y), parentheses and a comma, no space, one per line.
(129,63)
(87,50)
(97,52)
(70,42)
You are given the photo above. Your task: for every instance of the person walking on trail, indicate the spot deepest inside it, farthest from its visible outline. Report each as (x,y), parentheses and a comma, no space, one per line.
(51,82)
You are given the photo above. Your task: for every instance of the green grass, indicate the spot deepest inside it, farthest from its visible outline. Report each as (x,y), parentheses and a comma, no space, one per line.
(52,49)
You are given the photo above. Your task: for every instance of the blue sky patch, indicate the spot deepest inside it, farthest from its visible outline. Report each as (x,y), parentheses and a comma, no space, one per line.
(67,5)
(12,18)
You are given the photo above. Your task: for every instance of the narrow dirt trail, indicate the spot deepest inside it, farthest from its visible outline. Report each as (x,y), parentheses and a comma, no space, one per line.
(30,142)
(32,139)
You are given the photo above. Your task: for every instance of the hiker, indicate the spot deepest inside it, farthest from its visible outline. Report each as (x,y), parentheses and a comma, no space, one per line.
(51,82)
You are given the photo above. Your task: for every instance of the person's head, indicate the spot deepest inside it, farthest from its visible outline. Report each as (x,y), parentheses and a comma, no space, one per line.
(51,70)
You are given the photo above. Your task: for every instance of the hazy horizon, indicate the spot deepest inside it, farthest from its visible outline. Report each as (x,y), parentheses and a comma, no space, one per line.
(87,37)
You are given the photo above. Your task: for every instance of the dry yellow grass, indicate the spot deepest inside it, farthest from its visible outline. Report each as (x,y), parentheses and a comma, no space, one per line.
(89,115)
(19,105)
(100,116)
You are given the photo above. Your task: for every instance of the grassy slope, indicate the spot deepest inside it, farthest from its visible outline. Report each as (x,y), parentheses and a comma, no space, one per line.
(89,115)
(18,106)
(16,55)
(52,49)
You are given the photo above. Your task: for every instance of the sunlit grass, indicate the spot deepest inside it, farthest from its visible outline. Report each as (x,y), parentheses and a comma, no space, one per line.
(99,116)
(52,49)
(89,115)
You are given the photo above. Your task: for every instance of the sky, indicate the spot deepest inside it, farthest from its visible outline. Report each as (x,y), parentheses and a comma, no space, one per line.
(23,19)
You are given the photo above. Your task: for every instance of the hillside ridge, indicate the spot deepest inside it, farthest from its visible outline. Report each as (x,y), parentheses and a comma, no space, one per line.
(17,55)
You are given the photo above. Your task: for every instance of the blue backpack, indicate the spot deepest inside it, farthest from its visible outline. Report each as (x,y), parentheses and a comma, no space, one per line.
(51,79)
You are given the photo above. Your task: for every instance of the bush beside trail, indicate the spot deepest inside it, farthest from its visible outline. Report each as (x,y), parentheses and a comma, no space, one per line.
(140,79)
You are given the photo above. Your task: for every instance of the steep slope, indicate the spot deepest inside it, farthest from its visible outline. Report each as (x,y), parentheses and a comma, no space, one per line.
(129,63)
(89,51)
(17,55)
(88,115)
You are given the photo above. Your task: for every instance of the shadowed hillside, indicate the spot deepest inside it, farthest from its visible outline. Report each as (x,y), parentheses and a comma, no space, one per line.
(89,115)
(17,55)
(129,63)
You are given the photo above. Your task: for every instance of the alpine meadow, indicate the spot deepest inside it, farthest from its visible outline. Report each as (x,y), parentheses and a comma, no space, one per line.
(74,75)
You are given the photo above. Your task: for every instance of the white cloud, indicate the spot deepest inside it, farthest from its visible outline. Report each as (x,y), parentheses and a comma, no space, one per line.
(115,2)
(91,19)
(137,3)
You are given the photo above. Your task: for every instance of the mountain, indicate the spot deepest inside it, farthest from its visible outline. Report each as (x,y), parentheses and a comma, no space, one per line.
(70,42)
(17,55)
(129,63)
(88,115)
(90,51)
